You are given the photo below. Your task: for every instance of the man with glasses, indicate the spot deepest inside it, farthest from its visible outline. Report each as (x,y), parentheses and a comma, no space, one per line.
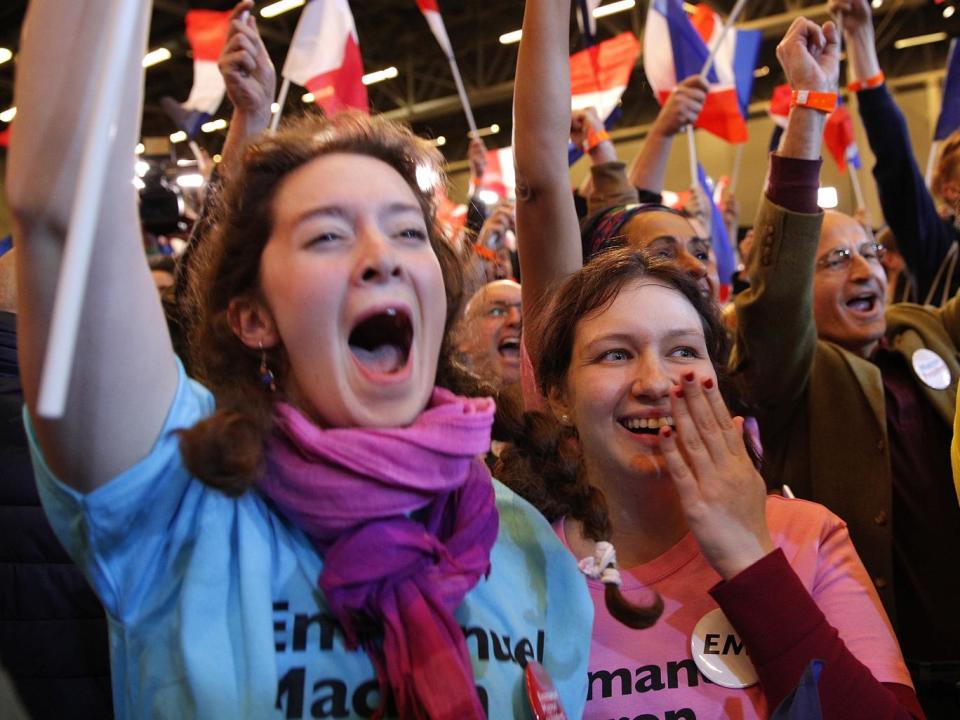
(855,402)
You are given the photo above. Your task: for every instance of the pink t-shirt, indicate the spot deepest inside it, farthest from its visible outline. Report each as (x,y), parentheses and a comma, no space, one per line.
(649,674)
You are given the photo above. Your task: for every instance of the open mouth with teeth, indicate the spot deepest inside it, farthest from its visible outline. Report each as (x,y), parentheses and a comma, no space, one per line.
(509,348)
(864,302)
(381,342)
(646,426)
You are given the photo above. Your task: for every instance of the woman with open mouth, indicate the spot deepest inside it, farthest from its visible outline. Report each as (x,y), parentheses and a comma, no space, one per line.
(713,599)
(311,531)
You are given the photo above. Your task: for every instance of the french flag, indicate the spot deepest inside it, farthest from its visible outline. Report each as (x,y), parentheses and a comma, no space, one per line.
(677,48)
(324,57)
(499,176)
(840,139)
(949,119)
(206,32)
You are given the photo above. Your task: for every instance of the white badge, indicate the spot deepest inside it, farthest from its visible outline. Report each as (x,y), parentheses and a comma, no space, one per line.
(931,368)
(719,652)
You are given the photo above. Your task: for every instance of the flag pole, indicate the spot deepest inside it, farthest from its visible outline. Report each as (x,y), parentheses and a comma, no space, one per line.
(734,14)
(87,200)
(281,99)
(857,190)
(692,156)
(732,186)
(931,163)
(462,92)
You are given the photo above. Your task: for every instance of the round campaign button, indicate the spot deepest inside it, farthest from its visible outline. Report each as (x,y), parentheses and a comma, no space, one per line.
(719,652)
(931,368)
(542,694)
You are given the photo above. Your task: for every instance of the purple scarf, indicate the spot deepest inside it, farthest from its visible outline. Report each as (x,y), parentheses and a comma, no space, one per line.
(393,582)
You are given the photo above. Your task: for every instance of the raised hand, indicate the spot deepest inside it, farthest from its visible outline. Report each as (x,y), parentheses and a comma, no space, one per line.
(477,157)
(247,69)
(810,55)
(723,495)
(682,107)
(852,16)
(581,123)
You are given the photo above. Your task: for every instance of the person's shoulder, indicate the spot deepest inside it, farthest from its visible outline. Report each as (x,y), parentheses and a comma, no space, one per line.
(796,517)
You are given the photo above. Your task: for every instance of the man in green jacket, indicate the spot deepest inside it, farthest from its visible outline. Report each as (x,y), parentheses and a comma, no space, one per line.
(855,402)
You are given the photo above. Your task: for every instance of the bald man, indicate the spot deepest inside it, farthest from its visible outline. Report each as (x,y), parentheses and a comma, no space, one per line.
(855,402)
(488,336)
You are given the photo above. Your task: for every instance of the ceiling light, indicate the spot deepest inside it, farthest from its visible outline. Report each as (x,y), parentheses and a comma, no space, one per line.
(948,11)
(178,137)
(511,37)
(8,114)
(876,4)
(184,162)
(274,107)
(379,76)
(190,180)
(761,71)
(214,125)
(308,97)
(439,141)
(827,197)
(613,7)
(282,6)
(142,167)
(156,56)
(487,131)
(427,177)
(139,149)
(217,158)
(5,55)
(919,40)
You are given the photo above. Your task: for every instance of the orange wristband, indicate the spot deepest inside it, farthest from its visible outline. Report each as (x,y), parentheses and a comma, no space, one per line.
(594,138)
(825,102)
(871,82)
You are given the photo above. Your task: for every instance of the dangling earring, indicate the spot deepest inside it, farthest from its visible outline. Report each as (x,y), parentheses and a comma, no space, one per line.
(565,419)
(266,374)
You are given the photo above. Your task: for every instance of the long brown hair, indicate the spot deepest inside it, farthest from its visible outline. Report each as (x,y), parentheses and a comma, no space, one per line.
(225,450)
(543,464)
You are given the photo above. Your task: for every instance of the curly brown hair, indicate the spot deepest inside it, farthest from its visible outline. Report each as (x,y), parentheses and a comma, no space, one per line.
(543,463)
(225,450)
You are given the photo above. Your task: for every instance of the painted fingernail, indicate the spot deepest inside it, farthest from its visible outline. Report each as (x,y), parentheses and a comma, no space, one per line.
(678,391)
(688,377)
(667,432)
(708,383)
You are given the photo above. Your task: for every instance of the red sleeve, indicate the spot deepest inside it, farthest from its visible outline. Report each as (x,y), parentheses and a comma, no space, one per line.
(793,183)
(784,629)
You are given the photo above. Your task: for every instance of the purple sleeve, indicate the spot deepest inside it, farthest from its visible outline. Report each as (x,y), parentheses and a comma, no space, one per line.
(793,183)
(784,629)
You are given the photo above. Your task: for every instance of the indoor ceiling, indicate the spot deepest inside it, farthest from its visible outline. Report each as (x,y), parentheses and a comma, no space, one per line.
(394,33)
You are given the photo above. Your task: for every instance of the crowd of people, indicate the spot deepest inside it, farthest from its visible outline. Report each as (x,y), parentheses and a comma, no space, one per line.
(356,465)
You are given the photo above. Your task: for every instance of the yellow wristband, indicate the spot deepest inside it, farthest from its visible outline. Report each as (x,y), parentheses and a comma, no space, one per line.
(825,102)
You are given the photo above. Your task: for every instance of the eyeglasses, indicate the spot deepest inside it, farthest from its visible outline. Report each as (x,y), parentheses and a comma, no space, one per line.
(840,258)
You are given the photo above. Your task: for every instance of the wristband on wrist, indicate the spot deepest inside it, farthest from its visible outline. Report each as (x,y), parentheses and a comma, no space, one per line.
(871,82)
(594,138)
(825,102)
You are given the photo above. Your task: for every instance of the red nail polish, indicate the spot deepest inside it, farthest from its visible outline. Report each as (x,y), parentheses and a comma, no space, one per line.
(679,391)
(708,383)
(667,432)
(688,377)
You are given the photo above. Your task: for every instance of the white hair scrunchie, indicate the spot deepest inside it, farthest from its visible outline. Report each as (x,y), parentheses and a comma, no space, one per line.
(602,565)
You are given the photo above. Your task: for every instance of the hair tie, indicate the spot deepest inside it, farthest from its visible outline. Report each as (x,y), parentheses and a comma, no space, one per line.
(602,565)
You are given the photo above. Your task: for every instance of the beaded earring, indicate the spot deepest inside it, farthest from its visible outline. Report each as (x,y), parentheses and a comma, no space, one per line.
(266,374)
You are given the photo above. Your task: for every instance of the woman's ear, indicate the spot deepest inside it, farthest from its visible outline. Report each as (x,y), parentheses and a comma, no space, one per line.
(252,322)
(557,401)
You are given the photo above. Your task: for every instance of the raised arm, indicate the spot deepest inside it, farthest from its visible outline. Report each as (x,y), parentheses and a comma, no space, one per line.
(681,109)
(124,373)
(776,336)
(548,236)
(922,237)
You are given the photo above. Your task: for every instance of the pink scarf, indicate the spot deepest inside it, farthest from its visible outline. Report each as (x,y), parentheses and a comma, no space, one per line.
(393,581)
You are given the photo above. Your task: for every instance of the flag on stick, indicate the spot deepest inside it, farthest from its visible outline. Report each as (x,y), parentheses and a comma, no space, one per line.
(431,12)
(206,32)
(949,119)
(675,49)
(839,137)
(324,57)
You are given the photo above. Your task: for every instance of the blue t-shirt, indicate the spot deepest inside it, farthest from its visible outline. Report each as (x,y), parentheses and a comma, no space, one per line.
(215,611)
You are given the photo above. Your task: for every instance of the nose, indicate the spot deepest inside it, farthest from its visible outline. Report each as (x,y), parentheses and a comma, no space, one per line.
(691,265)
(513,316)
(859,268)
(650,382)
(377,261)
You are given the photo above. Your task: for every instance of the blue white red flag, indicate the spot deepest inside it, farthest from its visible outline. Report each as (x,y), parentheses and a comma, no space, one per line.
(431,12)
(722,249)
(840,138)
(950,111)
(675,49)
(324,57)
